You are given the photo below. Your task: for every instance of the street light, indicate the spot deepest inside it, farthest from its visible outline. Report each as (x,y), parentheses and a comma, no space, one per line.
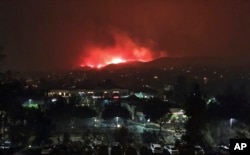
(148,120)
(117,122)
(231,121)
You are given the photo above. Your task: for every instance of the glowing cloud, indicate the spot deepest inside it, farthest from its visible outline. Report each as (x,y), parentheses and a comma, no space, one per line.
(124,50)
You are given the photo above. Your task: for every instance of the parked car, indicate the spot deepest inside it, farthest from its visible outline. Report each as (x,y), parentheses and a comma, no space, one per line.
(223,150)
(170,149)
(156,148)
(5,145)
(198,150)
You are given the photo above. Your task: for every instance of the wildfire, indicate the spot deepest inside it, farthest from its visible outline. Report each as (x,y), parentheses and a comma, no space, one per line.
(124,50)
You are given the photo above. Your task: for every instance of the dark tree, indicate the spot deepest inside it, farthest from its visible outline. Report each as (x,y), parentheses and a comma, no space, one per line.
(103,150)
(83,112)
(116,150)
(196,112)
(75,100)
(27,123)
(144,150)
(60,110)
(2,56)
(155,109)
(234,103)
(123,136)
(130,150)
(180,90)
(112,111)
(43,128)
(66,138)
(149,137)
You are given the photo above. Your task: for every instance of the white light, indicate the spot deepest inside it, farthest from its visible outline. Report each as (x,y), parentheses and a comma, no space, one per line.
(53,100)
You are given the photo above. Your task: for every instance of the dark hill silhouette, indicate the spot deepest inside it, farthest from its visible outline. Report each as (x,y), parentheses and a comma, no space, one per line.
(129,64)
(179,62)
(182,61)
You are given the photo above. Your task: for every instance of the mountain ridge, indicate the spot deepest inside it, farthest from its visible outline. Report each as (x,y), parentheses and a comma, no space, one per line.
(182,61)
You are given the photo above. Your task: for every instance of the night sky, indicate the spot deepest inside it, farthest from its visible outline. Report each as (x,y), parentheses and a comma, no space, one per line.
(61,34)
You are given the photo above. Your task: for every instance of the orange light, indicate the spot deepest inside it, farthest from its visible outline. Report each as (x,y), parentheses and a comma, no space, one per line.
(125,49)
(116,61)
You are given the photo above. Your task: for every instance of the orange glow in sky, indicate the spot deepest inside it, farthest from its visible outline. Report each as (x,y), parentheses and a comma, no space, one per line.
(124,50)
